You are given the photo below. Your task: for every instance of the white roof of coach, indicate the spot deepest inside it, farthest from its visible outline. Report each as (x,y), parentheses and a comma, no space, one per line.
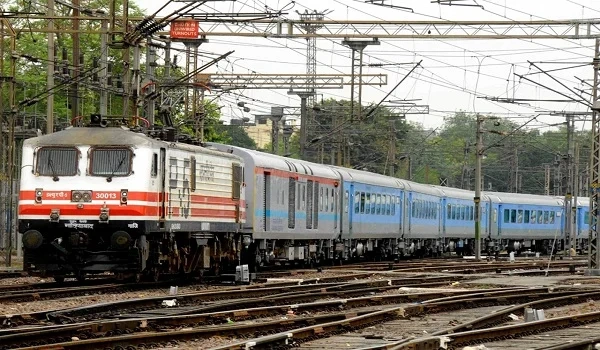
(367,177)
(520,198)
(267,160)
(455,192)
(423,188)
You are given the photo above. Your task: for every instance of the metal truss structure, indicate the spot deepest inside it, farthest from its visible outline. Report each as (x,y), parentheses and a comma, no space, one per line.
(286,81)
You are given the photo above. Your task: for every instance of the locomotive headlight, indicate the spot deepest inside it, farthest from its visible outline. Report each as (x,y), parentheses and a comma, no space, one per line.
(75,196)
(86,196)
(38,195)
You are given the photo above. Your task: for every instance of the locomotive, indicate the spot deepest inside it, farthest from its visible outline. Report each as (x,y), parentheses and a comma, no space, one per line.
(96,199)
(139,204)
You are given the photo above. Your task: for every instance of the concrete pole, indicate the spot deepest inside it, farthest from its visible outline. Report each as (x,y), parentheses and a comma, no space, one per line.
(575,180)
(569,184)
(50,70)
(477,199)
(103,66)
(74,88)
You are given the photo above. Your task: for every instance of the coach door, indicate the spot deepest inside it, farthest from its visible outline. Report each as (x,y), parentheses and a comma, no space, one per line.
(161,190)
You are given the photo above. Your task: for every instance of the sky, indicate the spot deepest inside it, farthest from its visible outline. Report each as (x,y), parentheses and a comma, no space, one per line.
(454,75)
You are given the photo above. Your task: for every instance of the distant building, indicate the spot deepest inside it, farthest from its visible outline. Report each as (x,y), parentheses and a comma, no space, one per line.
(261,132)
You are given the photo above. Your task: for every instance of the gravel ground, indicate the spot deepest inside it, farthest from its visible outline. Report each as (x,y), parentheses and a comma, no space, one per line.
(23,280)
(590,306)
(46,305)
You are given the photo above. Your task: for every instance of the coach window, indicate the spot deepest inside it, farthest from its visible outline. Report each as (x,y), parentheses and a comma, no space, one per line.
(378,204)
(385,199)
(526,216)
(586,218)
(57,161)
(506,215)
(513,216)
(546,217)
(472,213)
(448,211)
(321,199)
(519,216)
(356,202)
(362,202)
(388,205)
(193,175)
(551,217)
(332,199)
(533,217)
(303,197)
(368,204)
(346,198)
(111,161)
(326,200)
(540,216)
(154,168)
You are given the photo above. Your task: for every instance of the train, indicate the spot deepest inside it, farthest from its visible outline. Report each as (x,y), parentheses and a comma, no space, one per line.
(140,203)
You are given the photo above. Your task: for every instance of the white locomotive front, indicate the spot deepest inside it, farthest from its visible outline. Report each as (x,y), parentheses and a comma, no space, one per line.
(96,199)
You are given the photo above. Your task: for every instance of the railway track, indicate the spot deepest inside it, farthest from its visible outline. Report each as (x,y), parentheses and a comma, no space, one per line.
(12,274)
(150,331)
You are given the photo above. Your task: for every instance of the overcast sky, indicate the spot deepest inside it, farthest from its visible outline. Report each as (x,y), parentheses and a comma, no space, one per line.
(453,72)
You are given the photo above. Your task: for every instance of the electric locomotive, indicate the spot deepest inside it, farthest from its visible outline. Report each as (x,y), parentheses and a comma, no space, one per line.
(109,199)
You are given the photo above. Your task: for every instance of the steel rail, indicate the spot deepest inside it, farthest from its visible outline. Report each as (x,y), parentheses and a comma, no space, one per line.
(148,325)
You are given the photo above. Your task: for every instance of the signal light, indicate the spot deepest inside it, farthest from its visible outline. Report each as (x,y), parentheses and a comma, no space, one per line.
(38,195)
(124,194)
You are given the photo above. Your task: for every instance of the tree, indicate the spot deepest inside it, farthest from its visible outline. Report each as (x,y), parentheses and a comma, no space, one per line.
(31,65)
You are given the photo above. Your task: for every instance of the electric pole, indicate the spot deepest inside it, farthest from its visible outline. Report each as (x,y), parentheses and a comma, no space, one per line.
(568,184)
(547,180)
(77,62)
(477,199)
(594,234)
(357,46)
(478,181)
(50,70)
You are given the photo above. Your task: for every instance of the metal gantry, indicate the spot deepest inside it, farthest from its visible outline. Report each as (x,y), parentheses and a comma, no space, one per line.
(594,234)
(296,82)
(546,29)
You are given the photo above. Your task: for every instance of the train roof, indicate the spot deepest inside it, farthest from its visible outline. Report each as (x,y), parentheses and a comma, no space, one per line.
(455,192)
(423,188)
(90,136)
(366,177)
(267,160)
(521,198)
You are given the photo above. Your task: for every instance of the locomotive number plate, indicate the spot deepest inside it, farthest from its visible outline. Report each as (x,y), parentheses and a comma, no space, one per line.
(105,195)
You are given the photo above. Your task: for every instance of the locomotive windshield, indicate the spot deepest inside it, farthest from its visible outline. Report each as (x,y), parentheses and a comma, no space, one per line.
(111,162)
(57,161)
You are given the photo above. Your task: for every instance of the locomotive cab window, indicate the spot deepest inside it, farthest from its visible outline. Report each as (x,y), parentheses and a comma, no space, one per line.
(57,161)
(110,161)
